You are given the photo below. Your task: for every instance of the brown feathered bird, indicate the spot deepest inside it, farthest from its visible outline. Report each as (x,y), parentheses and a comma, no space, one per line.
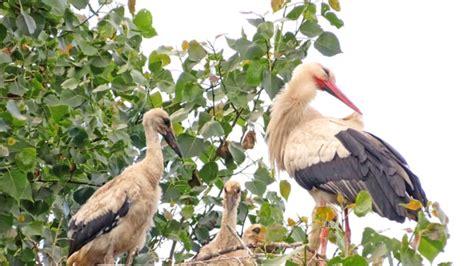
(225,239)
(116,218)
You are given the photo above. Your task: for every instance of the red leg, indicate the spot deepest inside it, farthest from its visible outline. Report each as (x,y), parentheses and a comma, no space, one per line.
(347,233)
(323,236)
(324,243)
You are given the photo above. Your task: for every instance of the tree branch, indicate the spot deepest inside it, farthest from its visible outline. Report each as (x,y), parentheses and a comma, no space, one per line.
(94,13)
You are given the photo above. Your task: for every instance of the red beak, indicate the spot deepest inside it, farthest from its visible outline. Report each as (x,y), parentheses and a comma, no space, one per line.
(332,89)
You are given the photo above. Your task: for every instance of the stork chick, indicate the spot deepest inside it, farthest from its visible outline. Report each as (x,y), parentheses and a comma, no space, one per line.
(225,238)
(254,235)
(327,156)
(116,218)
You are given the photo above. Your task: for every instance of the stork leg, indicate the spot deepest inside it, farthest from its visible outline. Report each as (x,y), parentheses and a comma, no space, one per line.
(323,236)
(109,259)
(130,256)
(324,243)
(347,233)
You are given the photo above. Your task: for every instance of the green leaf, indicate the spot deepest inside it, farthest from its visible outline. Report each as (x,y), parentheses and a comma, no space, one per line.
(57,6)
(311,28)
(262,174)
(4,58)
(285,189)
(16,185)
(26,159)
(276,233)
(324,8)
(138,77)
(295,13)
(100,88)
(265,30)
(83,194)
(310,12)
(187,211)
(144,22)
(363,203)
(58,111)
(6,222)
(157,60)
(237,152)
(354,260)
(70,84)
(29,21)
(195,51)
(254,73)
(209,172)
(13,109)
(4,127)
(211,129)
(4,152)
(87,48)
(34,228)
(271,83)
(256,187)
(79,136)
(79,4)
(191,146)
(185,239)
(327,44)
(407,255)
(299,235)
(280,260)
(334,20)
(433,237)
(254,52)
(429,248)
(156,99)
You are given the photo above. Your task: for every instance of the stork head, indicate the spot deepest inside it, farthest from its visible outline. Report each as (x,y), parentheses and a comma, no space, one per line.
(231,194)
(324,80)
(254,235)
(159,120)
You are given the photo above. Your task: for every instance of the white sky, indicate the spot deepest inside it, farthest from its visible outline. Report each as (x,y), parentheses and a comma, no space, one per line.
(406,64)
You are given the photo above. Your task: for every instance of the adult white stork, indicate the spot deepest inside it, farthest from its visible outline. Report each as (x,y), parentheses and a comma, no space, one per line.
(328,156)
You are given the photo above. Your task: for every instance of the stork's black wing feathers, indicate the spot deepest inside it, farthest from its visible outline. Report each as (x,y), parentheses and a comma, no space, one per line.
(83,233)
(369,167)
(417,192)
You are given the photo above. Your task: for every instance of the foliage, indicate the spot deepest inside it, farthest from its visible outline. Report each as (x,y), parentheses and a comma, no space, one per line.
(73,92)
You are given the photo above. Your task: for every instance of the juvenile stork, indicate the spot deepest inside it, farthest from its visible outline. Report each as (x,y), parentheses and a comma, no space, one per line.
(327,156)
(116,218)
(226,238)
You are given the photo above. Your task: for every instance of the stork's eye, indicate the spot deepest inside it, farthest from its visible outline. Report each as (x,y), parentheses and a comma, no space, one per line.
(326,71)
(256,230)
(166,121)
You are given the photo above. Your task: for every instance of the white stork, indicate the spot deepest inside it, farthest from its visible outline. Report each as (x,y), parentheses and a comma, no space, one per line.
(116,218)
(327,156)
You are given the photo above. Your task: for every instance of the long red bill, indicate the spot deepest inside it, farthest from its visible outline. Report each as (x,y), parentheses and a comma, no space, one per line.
(332,89)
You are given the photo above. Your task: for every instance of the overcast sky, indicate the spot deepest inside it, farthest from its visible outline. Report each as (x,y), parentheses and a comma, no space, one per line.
(406,64)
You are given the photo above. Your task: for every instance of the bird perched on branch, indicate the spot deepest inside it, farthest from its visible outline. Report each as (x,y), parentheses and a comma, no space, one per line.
(116,218)
(329,156)
(227,238)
